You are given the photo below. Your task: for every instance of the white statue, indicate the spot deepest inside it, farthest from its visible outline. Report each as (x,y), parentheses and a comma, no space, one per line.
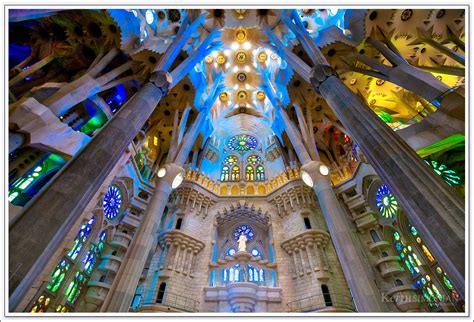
(242,240)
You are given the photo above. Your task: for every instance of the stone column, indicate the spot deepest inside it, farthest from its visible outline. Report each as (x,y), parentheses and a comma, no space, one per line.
(356,269)
(142,244)
(430,204)
(35,236)
(367,297)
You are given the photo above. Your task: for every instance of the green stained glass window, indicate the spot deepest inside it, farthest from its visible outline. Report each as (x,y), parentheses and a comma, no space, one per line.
(58,275)
(74,289)
(249,173)
(448,175)
(242,143)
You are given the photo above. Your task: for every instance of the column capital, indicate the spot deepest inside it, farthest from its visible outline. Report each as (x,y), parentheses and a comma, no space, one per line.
(162,80)
(313,168)
(171,172)
(319,74)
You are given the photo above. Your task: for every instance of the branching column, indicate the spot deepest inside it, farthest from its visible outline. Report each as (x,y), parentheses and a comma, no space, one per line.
(366,294)
(49,217)
(428,201)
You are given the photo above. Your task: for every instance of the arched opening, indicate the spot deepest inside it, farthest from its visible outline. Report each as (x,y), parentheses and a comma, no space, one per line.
(375,236)
(307,223)
(260,173)
(326,295)
(161,293)
(225,173)
(235,176)
(249,173)
(179,223)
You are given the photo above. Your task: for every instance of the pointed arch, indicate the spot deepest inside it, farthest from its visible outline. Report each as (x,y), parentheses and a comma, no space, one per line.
(249,173)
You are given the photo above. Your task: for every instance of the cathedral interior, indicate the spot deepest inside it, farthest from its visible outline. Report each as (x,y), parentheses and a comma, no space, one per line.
(236,160)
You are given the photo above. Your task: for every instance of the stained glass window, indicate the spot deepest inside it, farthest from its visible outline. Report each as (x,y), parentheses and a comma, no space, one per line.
(62,309)
(256,253)
(24,187)
(235,175)
(246,230)
(255,274)
(448,284)
(231,274)
(386,202)
(58,275)
(448,175)
(260,173)
(231,159)
(442,275)
(81,238)
(407,255)
(41,304)
(254,159)
(429,290)
(242,143)
(249,173)
(74,289)
(112,202)
(231,251)
(225,173)
(91,257)
(418,239)
(422,282)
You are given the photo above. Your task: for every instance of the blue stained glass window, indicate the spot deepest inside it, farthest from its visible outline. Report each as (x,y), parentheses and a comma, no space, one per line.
(256,253)
(91,257)
(246,230)
(386,202)
(242,143)
(112,202)
(260,173)
(225,173)
(81,237)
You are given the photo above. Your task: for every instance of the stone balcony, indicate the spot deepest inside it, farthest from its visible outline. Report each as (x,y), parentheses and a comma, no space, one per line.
(170,302)
(96,293)
(405,297)
(110,263)
(389,266)
(242,297)
(327,302)
(121,240)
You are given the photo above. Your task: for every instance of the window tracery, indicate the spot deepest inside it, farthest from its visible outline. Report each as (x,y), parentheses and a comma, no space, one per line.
(386,202)
(242,143)
(112,202)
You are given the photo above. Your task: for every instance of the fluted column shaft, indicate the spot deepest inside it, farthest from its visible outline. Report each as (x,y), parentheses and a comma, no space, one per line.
(428,201)
(51,214)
